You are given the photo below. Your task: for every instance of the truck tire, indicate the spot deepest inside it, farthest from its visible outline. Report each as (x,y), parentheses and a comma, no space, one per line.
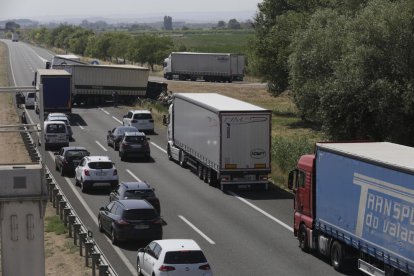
(182,159)
(337,256)
(303,238)
(200,169)
(169,153)
(211,178)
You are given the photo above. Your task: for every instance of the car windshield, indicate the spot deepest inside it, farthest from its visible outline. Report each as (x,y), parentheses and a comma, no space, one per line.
(185,257)
(135,139)
(139,193)
(140,214)
(76,153)
(122,130)
(55,128)
(143,116)
(100,165)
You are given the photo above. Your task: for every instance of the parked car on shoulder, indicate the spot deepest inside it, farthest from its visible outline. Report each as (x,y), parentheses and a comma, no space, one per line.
(96,171)
(134,144)
(68,158)
(29,101)
(172,257)
(115,135)
(141,119)
(133,219)
(136,190)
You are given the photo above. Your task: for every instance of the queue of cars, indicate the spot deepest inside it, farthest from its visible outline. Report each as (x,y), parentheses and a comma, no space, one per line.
(133,211)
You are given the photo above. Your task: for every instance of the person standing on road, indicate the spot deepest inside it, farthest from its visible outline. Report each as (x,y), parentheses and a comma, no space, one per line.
(115,98)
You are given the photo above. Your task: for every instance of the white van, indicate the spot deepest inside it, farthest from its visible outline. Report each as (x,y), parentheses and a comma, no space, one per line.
(30,100)
(55,134)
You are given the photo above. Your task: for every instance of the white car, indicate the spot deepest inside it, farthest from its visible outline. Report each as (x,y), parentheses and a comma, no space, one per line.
(62,119)
(141,119)
(172,257)
(96,171)
(29,100)
(55,134)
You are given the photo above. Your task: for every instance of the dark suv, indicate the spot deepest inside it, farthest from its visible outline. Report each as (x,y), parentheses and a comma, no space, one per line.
(133,219)
(68,158)
(136,190)
(134,144)
(115,135)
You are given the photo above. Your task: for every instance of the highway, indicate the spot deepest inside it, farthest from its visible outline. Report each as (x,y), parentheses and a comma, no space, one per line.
(241,233)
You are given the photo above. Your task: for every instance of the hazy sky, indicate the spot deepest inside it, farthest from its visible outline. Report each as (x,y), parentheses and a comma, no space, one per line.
(18,9)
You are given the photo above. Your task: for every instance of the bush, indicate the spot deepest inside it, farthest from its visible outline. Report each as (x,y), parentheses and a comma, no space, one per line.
(286,151)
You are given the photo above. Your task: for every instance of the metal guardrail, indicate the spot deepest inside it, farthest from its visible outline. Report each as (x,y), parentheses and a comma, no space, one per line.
(82,237)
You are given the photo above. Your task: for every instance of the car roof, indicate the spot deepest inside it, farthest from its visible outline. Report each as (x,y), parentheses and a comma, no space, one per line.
(135,204)
(136,185)
(178,244)
(140,111)
(54,122)
(97,158)
(74,148)
(58,118)
(126,127)
(53,114)
(136,133)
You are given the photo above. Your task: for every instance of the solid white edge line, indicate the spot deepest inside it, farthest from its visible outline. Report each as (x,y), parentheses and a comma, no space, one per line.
(99,144)
(116,119)
(104,111)
(262,211)
(197,230)
(158,147)
(133,175)
(11,66)
(80,125)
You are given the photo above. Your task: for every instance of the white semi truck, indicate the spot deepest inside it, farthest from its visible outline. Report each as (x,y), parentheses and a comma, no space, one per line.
(205,66)
(226,141)
(96,84)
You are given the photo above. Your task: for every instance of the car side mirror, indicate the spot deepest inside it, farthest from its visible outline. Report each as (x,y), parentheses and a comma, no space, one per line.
(102,209)
(141,250)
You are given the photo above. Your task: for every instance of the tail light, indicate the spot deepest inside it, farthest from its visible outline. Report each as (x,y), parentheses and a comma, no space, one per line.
(205,267)
(125,145)
(166,268)
(115,172)
(86,172)
(121,222)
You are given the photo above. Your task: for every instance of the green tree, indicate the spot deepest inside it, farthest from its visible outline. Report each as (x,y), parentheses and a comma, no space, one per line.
(221,24)
(233,24)
(78,40)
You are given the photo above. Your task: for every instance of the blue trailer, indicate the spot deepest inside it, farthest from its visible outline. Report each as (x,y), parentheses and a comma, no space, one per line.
(355,201)
(57,90)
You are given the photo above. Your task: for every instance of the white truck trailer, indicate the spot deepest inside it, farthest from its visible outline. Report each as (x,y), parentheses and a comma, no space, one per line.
(226,141)
(64,60)
(96,84)
(206,66)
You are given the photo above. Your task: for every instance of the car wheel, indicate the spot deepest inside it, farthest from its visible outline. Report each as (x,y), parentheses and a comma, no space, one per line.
(139,270)
(113,237)
(337,256)
(56,167)
(62,172)
(100,225)
(303,238)
(116,146)
(76,181)
(84,189)
(107,142)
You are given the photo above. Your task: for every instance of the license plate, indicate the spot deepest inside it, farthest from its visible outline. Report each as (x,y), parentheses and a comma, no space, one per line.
(101,173)
(244,186)
(142,226)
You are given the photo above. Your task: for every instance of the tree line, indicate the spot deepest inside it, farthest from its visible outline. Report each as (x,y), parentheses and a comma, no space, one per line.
(118,46)
(348,64)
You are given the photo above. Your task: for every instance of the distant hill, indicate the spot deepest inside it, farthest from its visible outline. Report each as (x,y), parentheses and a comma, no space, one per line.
(22,22)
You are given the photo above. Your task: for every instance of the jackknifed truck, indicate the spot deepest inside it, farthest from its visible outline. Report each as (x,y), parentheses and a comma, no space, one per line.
(226,141)
(354,203)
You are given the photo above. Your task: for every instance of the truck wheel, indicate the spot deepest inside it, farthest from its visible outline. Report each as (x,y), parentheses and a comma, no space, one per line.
(200,171)
(337,256)
(182,159)
(303,238)
(211,177)
(205,172)
(169,153)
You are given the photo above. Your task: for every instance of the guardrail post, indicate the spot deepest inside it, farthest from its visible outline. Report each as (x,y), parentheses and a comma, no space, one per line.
(71,222)
(82,238)
(95,260)
(103,269)
(62,205)
(76,228)
(66,212)
(88,249)
(58,199)
(55,192)
(52,187)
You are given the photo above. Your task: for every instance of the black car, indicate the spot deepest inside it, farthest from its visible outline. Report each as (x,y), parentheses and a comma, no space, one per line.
(133,219)
(114,136)
(68,158)
(136,190)
(134,144)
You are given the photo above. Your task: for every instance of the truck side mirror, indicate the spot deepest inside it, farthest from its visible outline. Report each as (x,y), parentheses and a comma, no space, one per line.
(291,180)
(47,65)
